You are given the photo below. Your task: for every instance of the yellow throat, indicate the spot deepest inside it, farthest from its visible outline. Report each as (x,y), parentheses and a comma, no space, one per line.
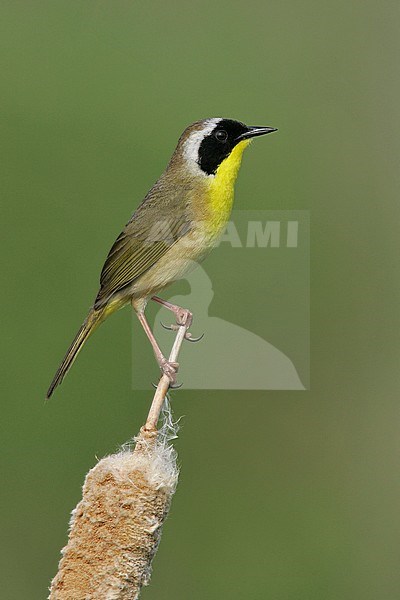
(222,188)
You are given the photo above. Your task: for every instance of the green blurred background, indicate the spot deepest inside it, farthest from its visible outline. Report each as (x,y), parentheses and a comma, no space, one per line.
(283,495)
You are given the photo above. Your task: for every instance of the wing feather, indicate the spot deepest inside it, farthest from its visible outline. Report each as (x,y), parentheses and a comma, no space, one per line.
(145,239)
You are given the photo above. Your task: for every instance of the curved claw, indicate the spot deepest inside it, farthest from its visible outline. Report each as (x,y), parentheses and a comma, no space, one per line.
(169,327)
(175,386)
(189,337)
(154,385)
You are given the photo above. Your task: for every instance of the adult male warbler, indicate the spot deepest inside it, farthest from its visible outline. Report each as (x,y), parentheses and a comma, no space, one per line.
(176,225)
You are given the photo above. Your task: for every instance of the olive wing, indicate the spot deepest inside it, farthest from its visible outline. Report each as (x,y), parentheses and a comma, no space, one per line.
(149,234)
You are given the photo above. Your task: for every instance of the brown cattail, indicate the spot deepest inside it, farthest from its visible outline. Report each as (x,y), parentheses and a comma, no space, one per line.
(116,527)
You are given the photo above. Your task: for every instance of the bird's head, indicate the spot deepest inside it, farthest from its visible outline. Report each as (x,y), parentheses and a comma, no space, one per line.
(205,145)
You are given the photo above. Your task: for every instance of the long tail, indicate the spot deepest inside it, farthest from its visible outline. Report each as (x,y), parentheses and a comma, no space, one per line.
(92,321)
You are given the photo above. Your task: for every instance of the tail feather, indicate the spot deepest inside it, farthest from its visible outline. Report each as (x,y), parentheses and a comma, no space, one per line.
(93,319)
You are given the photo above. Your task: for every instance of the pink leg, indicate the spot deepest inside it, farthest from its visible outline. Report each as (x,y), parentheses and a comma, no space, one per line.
(169,368)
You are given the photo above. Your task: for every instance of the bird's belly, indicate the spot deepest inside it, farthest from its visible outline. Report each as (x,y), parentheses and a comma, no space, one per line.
(181,258)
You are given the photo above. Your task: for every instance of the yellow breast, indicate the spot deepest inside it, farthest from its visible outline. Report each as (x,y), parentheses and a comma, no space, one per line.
(221,189)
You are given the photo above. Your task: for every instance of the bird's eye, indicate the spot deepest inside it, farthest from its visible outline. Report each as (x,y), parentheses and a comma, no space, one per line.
(221,135)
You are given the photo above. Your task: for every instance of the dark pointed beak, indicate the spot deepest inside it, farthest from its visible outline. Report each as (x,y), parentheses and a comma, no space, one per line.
(254,132)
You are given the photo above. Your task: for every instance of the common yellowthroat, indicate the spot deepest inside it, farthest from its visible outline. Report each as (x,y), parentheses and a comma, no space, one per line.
(176,225)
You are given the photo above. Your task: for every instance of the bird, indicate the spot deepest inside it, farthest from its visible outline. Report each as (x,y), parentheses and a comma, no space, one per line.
(176,225)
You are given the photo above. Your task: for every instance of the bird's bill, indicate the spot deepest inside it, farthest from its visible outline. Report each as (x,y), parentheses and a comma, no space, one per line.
(254,132)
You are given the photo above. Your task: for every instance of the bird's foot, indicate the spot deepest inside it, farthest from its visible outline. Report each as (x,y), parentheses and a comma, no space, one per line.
(188,335)
(184,318)
(169,369)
